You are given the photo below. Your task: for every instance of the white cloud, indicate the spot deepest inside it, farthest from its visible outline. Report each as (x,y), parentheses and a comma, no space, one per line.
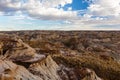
(105,8)
(47,9)
(1,13)
(103,12)
(51,14)
(40,9)
(70,8)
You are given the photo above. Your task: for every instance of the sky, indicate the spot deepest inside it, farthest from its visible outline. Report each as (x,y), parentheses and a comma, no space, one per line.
(59,15)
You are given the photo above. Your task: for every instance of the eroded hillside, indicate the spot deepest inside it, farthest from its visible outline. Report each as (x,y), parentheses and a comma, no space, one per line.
(59,55)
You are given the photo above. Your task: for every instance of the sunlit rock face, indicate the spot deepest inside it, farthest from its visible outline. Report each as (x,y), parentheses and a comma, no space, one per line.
(11,71)
(46,69)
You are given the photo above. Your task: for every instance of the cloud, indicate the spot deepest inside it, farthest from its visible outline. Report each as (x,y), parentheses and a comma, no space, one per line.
(105,8)
(99,12)
(55,3)
(104,12)
(47,9)
(9,5)
(39,9)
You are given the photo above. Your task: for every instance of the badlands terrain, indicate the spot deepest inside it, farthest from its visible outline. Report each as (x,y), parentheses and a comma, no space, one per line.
(60,55)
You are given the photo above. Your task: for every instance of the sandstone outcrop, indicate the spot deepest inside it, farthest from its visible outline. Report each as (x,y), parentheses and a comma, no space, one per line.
(46,69)
(11,71)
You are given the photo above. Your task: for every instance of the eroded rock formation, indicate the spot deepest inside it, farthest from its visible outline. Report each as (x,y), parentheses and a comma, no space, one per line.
(11,71)
(19,61)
